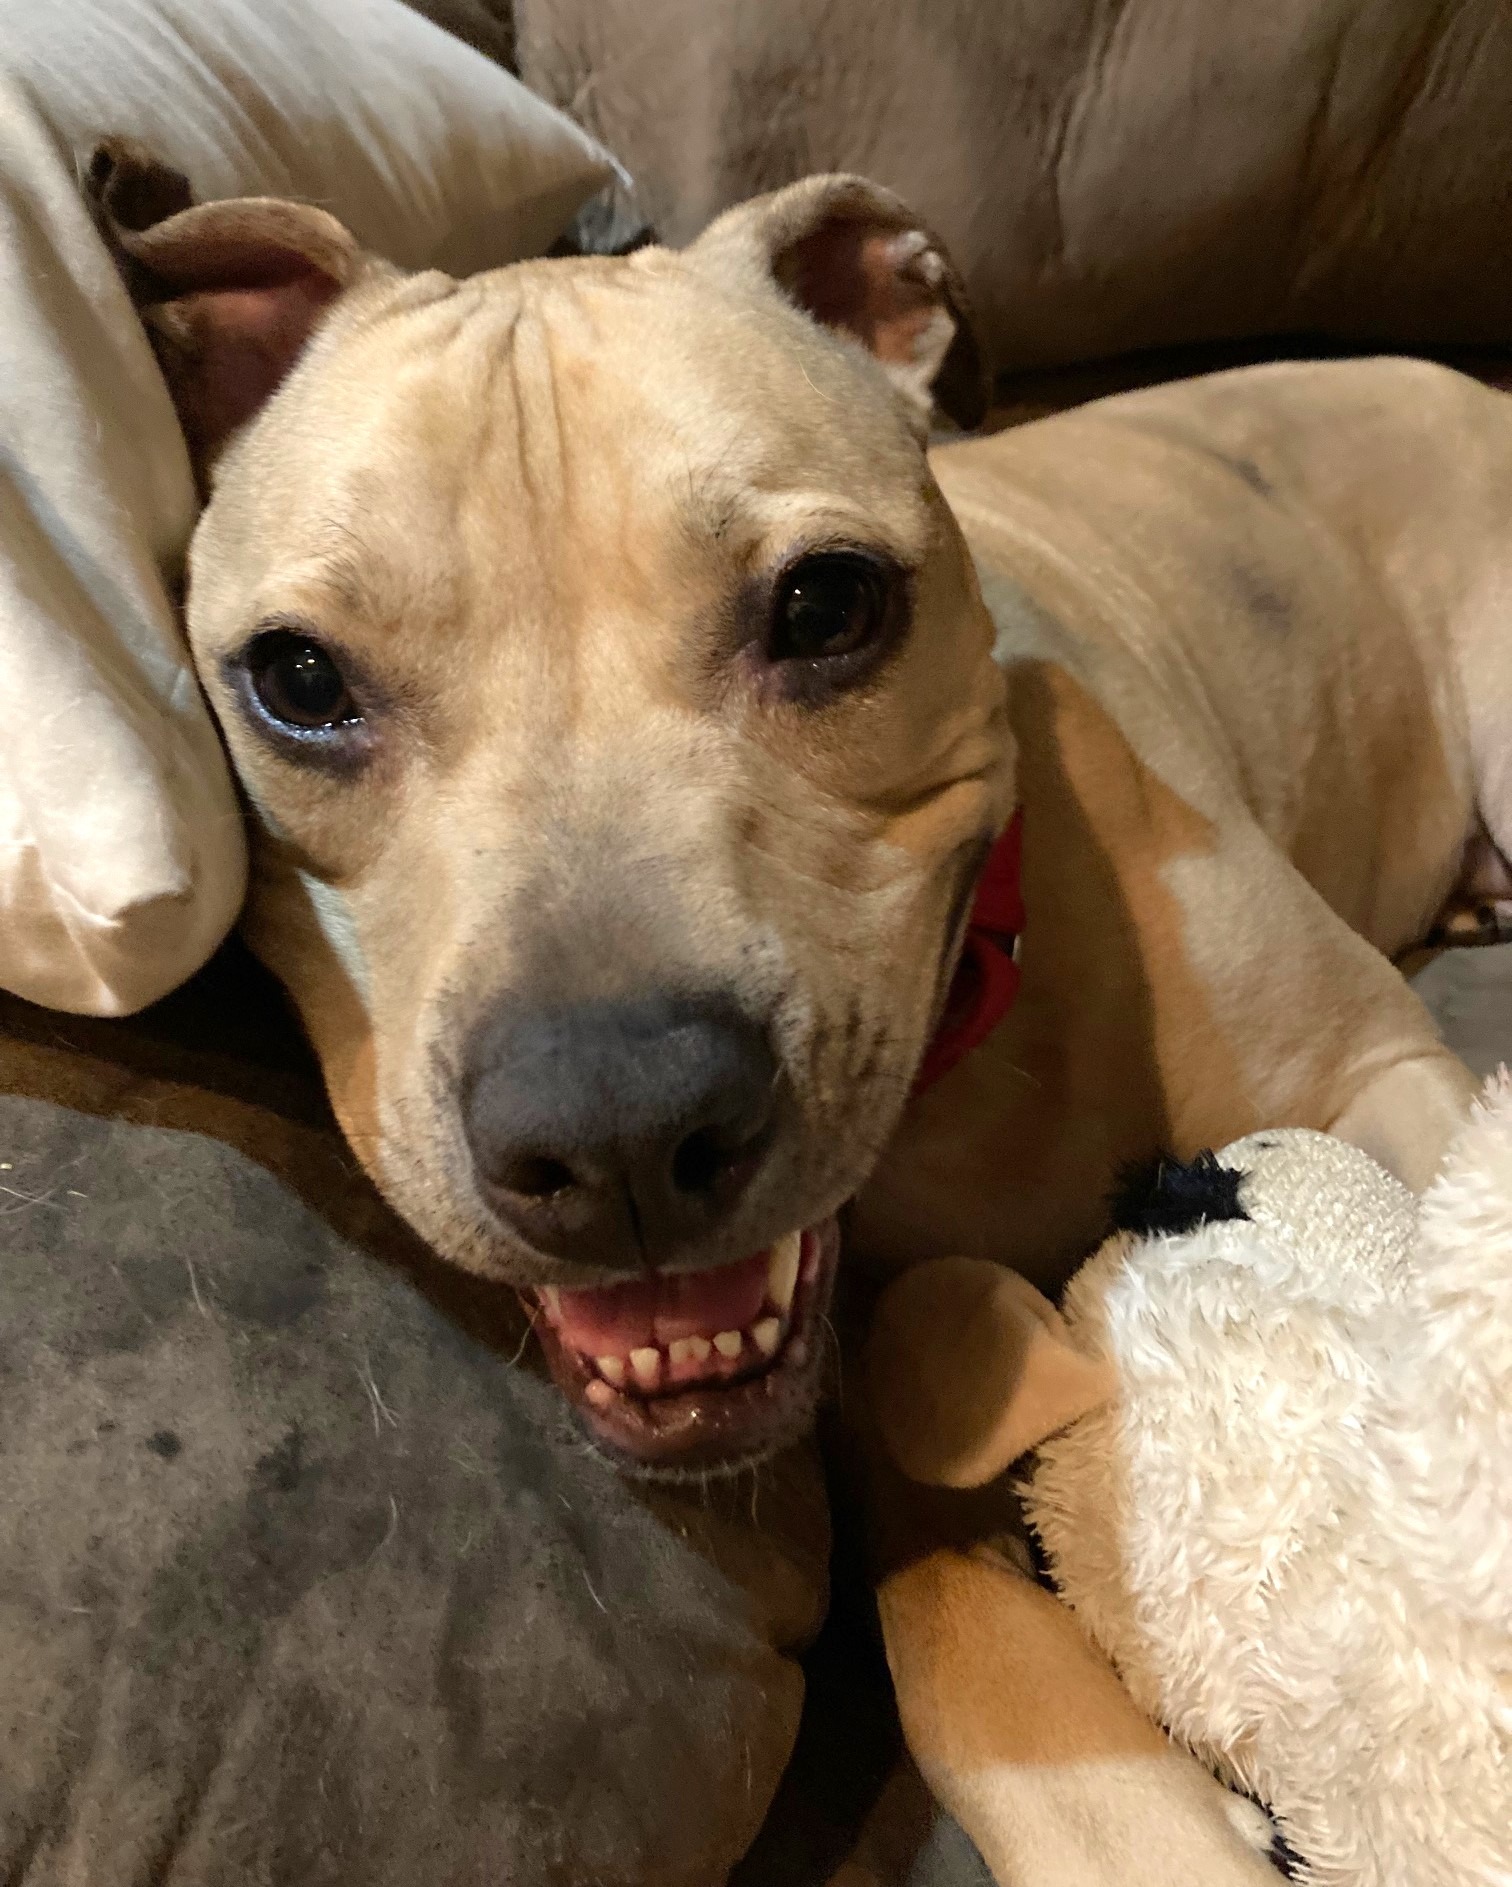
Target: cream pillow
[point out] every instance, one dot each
(122, 860)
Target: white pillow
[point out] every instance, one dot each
(122, 860)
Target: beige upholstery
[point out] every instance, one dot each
(1110, 177)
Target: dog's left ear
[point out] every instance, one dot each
(858, 260)
(968, 1368)
(230, 292)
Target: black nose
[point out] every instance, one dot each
(618, 1132)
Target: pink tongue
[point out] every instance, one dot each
(661, 1307)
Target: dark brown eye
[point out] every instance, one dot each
(298, 684)
(827, 605)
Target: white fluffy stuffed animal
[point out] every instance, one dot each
(1273, 1478)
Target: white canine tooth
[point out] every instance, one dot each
(599, 1394)
(646, 1366)
(728, 1343)
(782, 1271)
(767, 1335)
(689, 1350)
(611, 1368)
(810, 1258)
(551, 1297)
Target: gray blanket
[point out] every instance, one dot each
(302, 1578)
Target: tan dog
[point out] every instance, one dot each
(613, 691)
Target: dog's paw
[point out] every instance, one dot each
(1147, 1820)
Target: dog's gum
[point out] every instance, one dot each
(718, 1416)
(691, 1361)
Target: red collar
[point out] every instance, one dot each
(987, 977)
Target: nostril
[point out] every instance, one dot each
(534, 1176)
(708, 1155)
(698, 1162)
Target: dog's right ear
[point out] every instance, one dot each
(857, 260)
(229, 292)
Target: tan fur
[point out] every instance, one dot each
(1257, 689)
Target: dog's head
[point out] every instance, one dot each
(612, 695)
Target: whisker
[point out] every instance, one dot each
(532, 1312)
(833, 1336)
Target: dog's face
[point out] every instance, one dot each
(613, 697)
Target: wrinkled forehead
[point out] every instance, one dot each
(630, 404)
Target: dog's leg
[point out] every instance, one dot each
(1016, 1722)
(1406, 1115)
(1027, 1737)
(1271, 1011)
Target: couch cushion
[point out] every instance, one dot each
(121, 858)
(1107, 177)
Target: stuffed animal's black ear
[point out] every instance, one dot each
(1172, 1196)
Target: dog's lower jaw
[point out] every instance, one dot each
(758, 1398)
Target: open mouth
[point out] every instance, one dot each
(693, 1371)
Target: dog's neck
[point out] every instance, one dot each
(986, 978)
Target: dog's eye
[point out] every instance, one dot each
(830, 604)
(298, 683)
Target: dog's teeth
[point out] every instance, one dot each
(782, 1271)
(728, 1343)
(688, 1350)
(767, 1335)
(611, 1368)
(647, 1367)
(798, 1350)
(551, 1297)
(599, 1394)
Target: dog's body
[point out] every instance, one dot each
(616, 702)
(1261, 684)
(1260, 678)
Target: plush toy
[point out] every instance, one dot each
(1272, 1476)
